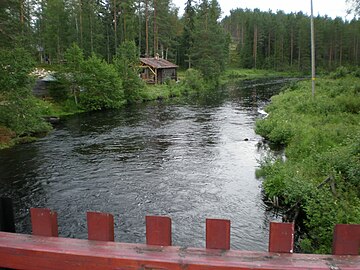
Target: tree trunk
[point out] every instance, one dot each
(292, 47)
(155, 30)
(341, 52)
(255, 45)
(22, 13)
(147, 27)
(357, 51)
(91, 30)
(299, 57)
(139, 44)
(115, 26)
(242, 36)
(125, 32)
(81, 23)
(330, 56)
(108, 43)
(269, 45)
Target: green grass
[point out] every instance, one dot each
(232, 74)
(322, 139)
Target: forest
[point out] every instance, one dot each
(263, 40)
(280, 41)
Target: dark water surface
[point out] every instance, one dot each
(187, 160)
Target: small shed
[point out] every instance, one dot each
(157, 70)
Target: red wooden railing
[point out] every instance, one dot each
(45, 250)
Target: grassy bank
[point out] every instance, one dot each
(236, 74)
(320, 176)
(66, 97)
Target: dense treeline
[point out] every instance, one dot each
(49, 27)
(264, 40)
(282, 41)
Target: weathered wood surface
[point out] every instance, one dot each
(44, 250)
(38, 252)
(346, 239)
(281, 237)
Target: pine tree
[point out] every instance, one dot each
(187, 38)
(211, 46)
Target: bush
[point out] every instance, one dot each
(19, 110)
(126, 63)
(340, 72)
(58, 91)
(322, 138)
(21, 114)
(101, 85)
(15, 67)
(193, 81)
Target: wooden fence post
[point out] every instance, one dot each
(100, 226)
(7, 221)
(44, 222)
(281, 238)
(346, 239)
(158, 231)
(218, 234)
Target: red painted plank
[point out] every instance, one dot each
(44, 222)
(218, 234)
(158, 231)
(36, 252)
(346, 239)
(100, 226)
(281, 238)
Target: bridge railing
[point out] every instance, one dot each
(45, 250)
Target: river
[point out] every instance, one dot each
(189, 160)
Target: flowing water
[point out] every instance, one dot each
(188, 160)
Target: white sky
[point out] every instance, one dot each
(332, 8)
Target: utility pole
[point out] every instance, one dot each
(312, 50)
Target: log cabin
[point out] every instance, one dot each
(157, 70)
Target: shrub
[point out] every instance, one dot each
(19, 111)
(193, 81)
(58, 91)
(340, 72)
(21, 114)
(126, 63)
(101, 85)
(15, 67)
(322, 138)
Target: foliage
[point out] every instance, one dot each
(193, 81)
(322, 138)
(101, 85)
(340, 72)
(126, 63)
(74, 58)
(18, 109)
(58, 91)
(15, 67)
(6, 136)
(21, 114)
(209, 50)
(354, 6)
(279, 41)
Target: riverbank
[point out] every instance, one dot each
(319, 176)
(190, 83)
(187, 158)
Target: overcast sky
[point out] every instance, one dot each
(332, 8)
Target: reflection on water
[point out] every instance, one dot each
(189, 160)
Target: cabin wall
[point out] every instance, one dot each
(165, 74)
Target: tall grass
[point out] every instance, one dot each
(322, 140)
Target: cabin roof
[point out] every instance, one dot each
(157, 63)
